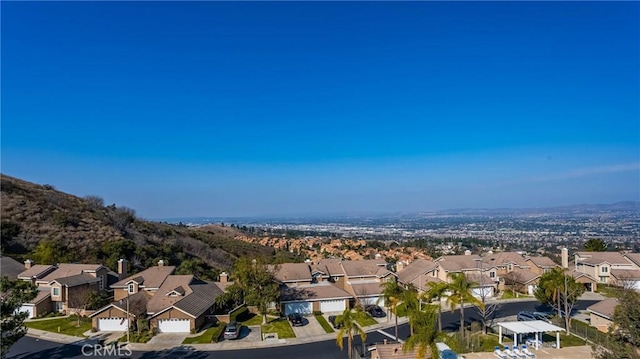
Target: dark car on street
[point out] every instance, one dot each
(334, 323)
(375, 311)
(525, 316)
(232, 330)
(296, 319)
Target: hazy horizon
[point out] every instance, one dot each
(222, 109)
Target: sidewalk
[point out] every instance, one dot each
(239, 344)
(53, 337)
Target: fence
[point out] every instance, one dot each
(589, 333)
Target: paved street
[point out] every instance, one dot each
(32, 348)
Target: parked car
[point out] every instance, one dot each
(375, 311)
(232, 330)
(332, 320)
(296, 319)
(542, 316)
(522, 316)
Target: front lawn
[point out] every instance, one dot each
(210, 335)
(509, 294)
(66, 325)
(134, 337)
(607, 291)
(280, 326)
(324, 324)
(364, 319)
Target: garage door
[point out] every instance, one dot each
(112, 324)
(332, 306)
(174, 326)
(28, 309)
(298, 307)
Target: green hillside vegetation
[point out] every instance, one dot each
(49, 226)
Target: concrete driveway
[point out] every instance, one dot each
(167, 340)
(311, 328)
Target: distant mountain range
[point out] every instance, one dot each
(625, 206)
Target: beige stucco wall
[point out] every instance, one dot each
(599, 322)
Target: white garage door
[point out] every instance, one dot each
(487, 292)
(298, 307)
(112, 324)
(28, 309)
(332, 306)
(174, 326)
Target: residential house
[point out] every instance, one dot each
(541, 265)
(148, 280)
(501, 263)
(293, 274)
(364, 279)
(182, 304)
(172, 303)
(601, 314)
(325, 297)
(484, 278)
(590, 283)
(521, 280)
(600, 264)
(64, 286)
(420, 273)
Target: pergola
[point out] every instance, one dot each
(527, 327)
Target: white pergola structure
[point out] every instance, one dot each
(528, 327)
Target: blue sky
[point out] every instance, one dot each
(242, 109)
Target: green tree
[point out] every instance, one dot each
(559, 290)
(232, 297)
(51, 252)
(258, 284)
(422, 340)
(460, 288)
(625, 330)
(437, 291)
(392, 295)
(97, 300)
(595, 245)
(411, 303)
(14, 293)
(349, 328)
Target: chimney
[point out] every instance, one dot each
(385, 341)
(399, 266)
(28, 263)
(224, 277)
(565, 258)
(122, 268)
(161, 263)
(467, 252)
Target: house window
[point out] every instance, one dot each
(100, 283)
(510, 267)
(604, 269)
(56, 291)
(131, 288)
(492, 274)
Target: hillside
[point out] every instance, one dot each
(47, 225)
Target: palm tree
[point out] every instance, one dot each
(460, 289)
(549, 287)
(349, 328)
(409, 298)
(392, 294)
(437, 291)
(425, 334)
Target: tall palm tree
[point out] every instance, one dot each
(549, 287)
(437, 291)
(460, 288)
(349, 328)
(411, 302)
(392, 294)
(425, 334)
